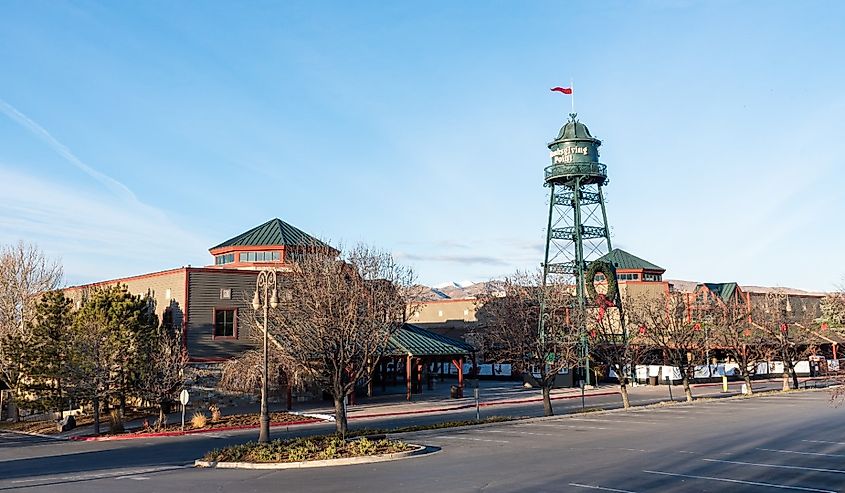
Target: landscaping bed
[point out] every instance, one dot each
(193, 424)
(318, 448)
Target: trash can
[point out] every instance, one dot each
(456, 392)
(652, 380)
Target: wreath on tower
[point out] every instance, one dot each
(609, 273)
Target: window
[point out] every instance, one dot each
(274, 256)
(224, 323)
(168, 295)
(227, 258)
(225, 294)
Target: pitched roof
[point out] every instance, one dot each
(274, 232)
(724, 290)
(624, 260)
(416, 341)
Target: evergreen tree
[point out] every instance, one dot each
(46, 358)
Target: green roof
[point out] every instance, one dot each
(575, 130)
(416, 341)
(274, 232)
(724, 290)
(624, 260)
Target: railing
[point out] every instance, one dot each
(576, 169)
(587, 233)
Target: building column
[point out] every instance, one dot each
(408, 381)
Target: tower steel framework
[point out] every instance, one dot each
(577, 232)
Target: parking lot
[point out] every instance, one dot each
(778, 442)
(793, 442)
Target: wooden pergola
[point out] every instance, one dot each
(418, 348)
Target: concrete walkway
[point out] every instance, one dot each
(492, 394)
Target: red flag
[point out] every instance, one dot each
(565, 90)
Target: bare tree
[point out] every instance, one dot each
(161, 369)
(786, 332)
(742, 341)
(512, 332)
(612, 342)
(338, 317)
(667, 329)
(25, 273)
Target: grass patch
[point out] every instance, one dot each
(305, 449)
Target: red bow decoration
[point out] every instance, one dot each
(592, 334)
(696, 327)
(642, 329)
(825, 326)
(604, 303)
(784, 327)
(747, 332)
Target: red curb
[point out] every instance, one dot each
(133, 436)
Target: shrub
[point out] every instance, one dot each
(198, 420)
(214, 409)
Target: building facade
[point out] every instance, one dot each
(212, 305)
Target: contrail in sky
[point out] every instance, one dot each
(115, 186)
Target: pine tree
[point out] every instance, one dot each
(46, 358)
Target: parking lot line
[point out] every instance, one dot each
(739, 481)
(799, 452)
(469, 438)
(778, 466)
(588, 427)
(823, 441)
(622, 421)
(525, 433)
(602, 488)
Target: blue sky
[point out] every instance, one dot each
(135, 135)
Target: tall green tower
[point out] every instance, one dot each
(577, 231)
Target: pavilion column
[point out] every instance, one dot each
(408, 381)
(459, 364)
(383, 375)
(420, 368)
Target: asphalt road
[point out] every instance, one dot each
(788, 442)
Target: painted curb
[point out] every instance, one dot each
(135, 436)
(419, 451)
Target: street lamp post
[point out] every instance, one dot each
(266, 297)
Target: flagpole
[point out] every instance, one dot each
(572, 85)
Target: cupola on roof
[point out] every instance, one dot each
(574, 129)
(274, 232)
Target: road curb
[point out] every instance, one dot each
(135, 436)
(39, 435)
(418, 451)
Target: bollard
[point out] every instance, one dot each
(724, 383)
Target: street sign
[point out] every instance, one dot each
(184, 397)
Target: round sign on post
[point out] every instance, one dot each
(184, 397)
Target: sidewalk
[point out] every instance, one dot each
(491, 394)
